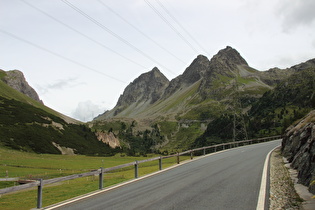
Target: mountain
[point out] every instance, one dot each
(140, 94)
(291, 99)
(16, 80)
(208, 91)
(26, 124)
(204, 84)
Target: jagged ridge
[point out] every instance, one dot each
(151, 96)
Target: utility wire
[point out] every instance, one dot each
(58, 55)
(180, 25)
(171, 26)
(113, 34)
(84, 35)
(138, 30)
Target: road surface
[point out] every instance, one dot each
(227, 180)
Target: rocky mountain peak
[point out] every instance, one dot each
(196, 69)
(192, 74)
(17, 81)
(148, 86)
(229, 55)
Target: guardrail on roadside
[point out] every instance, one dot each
(100, 172)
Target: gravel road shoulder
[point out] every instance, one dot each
(282, 191)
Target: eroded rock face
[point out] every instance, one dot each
(108, 138)
(16, 80)
(299, 148)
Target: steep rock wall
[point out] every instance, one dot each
(299, 148)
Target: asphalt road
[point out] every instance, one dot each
(227, 180)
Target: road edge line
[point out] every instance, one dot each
(263, 186)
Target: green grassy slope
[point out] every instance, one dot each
(10, 93)
(28, 125)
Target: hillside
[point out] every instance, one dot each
(271, 114)
(26, 124)
(14, 86)
(204, 99)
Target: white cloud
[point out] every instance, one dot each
(296, 13)
(87, 110)
(58, 85)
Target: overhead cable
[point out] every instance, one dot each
(113, 34)
(171, 26)
(142, 33)
(180, 25)
(60, 56)
(84, 35)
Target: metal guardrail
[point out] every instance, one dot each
(40, 183)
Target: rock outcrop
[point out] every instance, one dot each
(108, 138)
(298, 146)
(17, 81)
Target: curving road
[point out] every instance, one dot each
(226, 180)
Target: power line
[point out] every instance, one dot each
(113, 33)
(171, 26)
(180, 25)
(138, 30)
(60, 56)
(80, 33)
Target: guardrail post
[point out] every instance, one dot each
(204, 151)
(178, 158)
(160, 163)
(215, 149)
(101, 179)
(136, 169)
(191, 155)
(40, 194)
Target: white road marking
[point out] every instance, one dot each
(263, 185)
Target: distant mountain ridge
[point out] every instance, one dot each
(203, 82)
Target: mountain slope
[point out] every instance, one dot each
(140, 94)
(17, 92)
(206, 91)
(271, 114)
(16, 80)
(27, 125)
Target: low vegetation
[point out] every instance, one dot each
(27, 128)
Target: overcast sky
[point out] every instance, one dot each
(79, 55)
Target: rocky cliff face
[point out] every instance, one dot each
(298, 146)
(16, 80)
